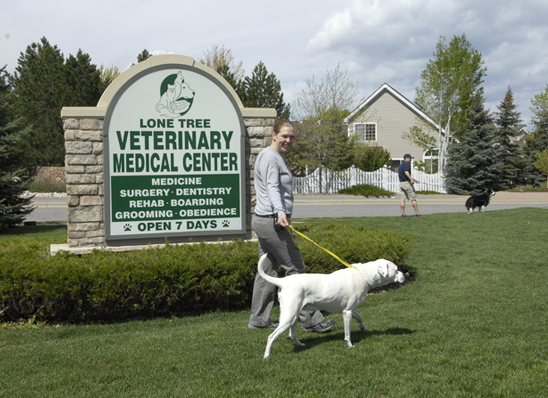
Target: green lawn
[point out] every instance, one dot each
(473, 324)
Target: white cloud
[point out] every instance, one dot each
(377, 41)
(391, 41)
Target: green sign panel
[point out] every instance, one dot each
(175, 203)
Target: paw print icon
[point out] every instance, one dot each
(226, 223)
(127, 228)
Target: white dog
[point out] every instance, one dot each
(340, 292)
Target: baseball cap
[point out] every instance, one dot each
(408, 156)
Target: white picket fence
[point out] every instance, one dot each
(334, 181)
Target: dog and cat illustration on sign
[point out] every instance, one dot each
(176, 96)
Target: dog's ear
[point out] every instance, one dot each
(383, 269)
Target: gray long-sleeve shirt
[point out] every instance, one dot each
(273, 184)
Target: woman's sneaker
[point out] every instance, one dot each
(322, 327)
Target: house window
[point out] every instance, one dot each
(431, 154)
(365, 131)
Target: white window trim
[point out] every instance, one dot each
(426, 157)
(366, 123)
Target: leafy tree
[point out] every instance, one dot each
(40, 88)
(218, 56)
(447, 88)
(419, 135)
(260, 90)
(475, 162)
(508, 122)
(335, 92)
(371, 157)
(322, 140)
(13, 177)
(321, 143)
(107, 76)
(263, 90)
(542, 163)
(538, 141)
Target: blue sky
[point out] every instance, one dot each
(388, 41)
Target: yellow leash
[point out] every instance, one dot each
(321, 247)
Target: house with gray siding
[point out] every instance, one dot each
(384, 117)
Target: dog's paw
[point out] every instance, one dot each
(349, 344)
(364, 328)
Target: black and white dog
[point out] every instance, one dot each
(480, 200)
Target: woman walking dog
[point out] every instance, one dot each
(274, 192)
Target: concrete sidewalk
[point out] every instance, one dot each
(500, 198)
(312, 206)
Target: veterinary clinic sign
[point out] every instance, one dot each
(174, 157)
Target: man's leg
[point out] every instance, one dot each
(402, 207)
(415, 206)
(403, 197)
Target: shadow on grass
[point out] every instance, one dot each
(38, 229)
(356, 336)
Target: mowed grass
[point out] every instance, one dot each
(473, 324)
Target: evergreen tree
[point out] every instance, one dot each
(237, 85)
(143, 56)
(85, 80)
(43, 84)
(263, 90)
(475, 163)
(40, 88)
(13, 178)
(508, 122)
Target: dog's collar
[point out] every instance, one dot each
(364, 277)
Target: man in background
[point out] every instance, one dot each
(407, 185)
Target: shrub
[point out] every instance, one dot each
(43, 184)
(371, 157)
(366, 190)
(173, 280)
(353, 244)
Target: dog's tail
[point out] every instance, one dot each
(268, 278)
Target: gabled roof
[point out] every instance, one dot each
(386, 87)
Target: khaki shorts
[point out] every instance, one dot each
(407, 191)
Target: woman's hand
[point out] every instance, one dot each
(282, 221)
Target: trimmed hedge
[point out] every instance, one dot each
(174, 280)
(366, 190)
(353, 244)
